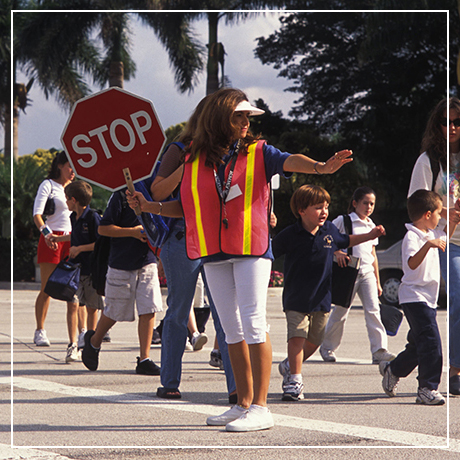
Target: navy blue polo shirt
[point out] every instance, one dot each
(126, 253)
(308, 265)
(84, 231)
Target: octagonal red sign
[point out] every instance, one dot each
(109, 131)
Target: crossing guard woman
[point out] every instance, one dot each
(225, 199)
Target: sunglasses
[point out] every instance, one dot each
(456, 122)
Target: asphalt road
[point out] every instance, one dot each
(63, 411)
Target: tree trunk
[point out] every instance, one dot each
(212, 82)
(15, 126)
(116, 74)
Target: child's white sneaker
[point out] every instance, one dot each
(429, 397)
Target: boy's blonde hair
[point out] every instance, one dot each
(422, 201)
(81, 191)
(308, 195)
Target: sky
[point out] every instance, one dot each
(42, 124)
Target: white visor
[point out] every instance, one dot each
(245, 106)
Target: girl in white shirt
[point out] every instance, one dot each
(50, 253)
(367, 284)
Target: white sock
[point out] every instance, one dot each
(296, 378)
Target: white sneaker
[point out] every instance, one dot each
(40, 338)
(429, 397)
(285, 371)
(229, 416)
(382, 355)
(72, 353)
(327, 355)
(188, 345)
(81, 339)
(255, 419)
(389, 381)
(199, 340)
(293, 391)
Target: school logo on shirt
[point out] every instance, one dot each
(328, 241)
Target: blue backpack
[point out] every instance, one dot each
(156, 227)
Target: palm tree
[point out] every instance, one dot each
(55, 49)
(216, 50)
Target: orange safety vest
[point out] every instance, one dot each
(247, 232)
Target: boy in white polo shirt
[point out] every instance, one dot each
(418, 296)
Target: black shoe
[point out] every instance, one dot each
(156, 338)
(169, 393)
(89, 354)
(233, 399)
(147, 367)
(454, 385)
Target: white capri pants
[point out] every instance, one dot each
(239, 291)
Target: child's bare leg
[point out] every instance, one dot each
(145, 333)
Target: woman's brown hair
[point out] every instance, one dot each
(215, 132)
(433, 142)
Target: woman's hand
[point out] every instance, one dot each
(51, 241)
(335, 162)
(136, 200)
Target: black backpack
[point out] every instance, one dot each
(100, 263)
(100, 258)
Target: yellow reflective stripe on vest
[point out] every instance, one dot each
(249, 187)
(196, 202)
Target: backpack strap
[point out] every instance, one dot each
(348, 229)
(435, 168)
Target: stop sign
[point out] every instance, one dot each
(109, 131)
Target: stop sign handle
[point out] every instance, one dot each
(130, 185)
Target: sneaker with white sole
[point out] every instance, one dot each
(382, 355)
(293, 391)
(255, 419)
(188, 345)
(389, 381)
(429, 397)
(40, 338)
(81, 339)
(228, 416)
(327, 355)
(72, 354)
(199, 341)
(215, 359)
(285, 371)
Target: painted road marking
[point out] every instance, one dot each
(400, 438)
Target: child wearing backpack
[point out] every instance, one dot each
(367, 284)
(132, 282)
(87, 302)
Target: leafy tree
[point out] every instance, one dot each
(376, 97)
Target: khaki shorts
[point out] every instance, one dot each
(126, 288)
(310, 326)
(87, 295)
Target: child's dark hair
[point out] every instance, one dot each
(359, 194)
(308, 195)
(81, 191)
(58, 160)
(420, 202)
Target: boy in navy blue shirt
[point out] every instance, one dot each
(85, 222)
(132, 281)
(309, 247)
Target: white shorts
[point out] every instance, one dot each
(239, 291)
(123, 288)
